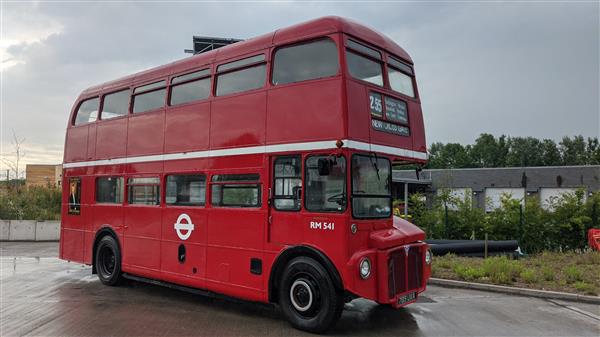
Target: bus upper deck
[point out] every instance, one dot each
(361, 86)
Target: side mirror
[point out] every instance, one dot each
(324, 166)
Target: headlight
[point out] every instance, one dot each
(428, 256)
(365, 268)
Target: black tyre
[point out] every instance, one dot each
(308, 297)
(108, 261)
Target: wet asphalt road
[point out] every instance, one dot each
(44, 296)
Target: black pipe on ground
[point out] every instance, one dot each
(471, 247)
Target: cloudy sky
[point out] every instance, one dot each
(521, 69)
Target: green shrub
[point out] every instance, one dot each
(586, 288)
(529, 276)
(573, 274)
(30, 203)
(561, 228)
(468, 273)
(547, 274)
(501, 270)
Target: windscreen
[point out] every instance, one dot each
(371, 193)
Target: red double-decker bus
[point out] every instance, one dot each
(260, 170)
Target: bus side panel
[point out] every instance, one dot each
(73, 225)
(111, 138)
(359, 122)
(235, 236)
(238, 121)
(145, 133)
(76, 144)
(294, 110)
(185, 128)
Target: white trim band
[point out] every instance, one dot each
(307, 146)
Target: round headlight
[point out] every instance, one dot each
(428, 256)
(365, 268)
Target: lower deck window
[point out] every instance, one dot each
(109, 190)
(235, 190)
(144, 191)
(186, 190)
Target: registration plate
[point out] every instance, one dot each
(407, 298)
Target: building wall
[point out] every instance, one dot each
(531, 179)
(42, 175)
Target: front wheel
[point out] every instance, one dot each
(308, 297)
(108, 261)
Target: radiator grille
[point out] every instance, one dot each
(405, 272)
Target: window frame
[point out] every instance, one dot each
(305, 184)
(205, 73)
(74, 121)
(293, 197)
(206, 194)
(104, 202)
(380, 60)
(159, 193)
(351, 194)
(299, 43)
(129, 104)
(256, 182)
(147, 88)
(218, 72)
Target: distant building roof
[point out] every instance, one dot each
(530, 178)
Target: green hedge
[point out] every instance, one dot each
(563, 227)
(30, 203)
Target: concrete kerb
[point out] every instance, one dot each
(556, 295)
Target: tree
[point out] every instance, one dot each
(593, 151)
(550, 153)
(14, 164)
(451, 155)
(524, 151)
(573, 151)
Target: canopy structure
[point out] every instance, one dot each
(206, 43)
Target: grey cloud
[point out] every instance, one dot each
(517, 69)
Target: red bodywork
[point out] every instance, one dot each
(594, 239)
(243, 133)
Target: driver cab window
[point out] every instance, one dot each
(325, 184)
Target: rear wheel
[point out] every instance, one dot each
(108, 261)
(308, 297)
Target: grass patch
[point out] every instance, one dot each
(567, 272)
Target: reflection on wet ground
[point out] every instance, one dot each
(44, 296)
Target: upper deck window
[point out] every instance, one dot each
(115, 104)
(248, 78)
(87, 112)
(363, 49)
(400, 76)
(306, 61)
(193, 87)
(364, 62)
(364, 69)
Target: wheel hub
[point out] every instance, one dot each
(301, 295)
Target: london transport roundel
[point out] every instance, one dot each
(184, 224)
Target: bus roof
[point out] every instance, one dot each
(313, 28)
